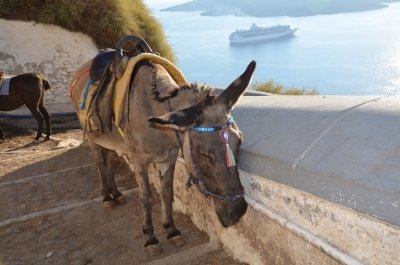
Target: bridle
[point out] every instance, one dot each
(196, 178)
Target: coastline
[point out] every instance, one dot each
(269, 9)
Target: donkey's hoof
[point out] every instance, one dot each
(177, 241)
(120, 200)
(153, 250)
(108, 204)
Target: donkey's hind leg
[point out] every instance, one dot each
(39, 118)
(2, 135)
(46, 117)
(103, 159)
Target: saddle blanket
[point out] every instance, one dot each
(5, 86)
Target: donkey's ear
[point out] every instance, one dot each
(233, 92)
(178, 120)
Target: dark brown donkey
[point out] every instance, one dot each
(28, 89)
(160, 116)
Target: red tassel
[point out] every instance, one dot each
(230, 158)
(227, 156)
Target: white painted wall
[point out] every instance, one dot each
(46, 49)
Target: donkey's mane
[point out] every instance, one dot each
(199, 91)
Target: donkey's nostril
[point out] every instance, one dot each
(231, 213)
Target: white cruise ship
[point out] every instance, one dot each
(257, 33)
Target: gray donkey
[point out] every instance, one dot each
(162, 118)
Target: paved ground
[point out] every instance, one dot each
(50, 210)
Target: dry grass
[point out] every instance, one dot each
(106, 21)
(277, 88)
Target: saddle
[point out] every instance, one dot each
(101, 63)
(106, 68)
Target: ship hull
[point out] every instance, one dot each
(261, 38)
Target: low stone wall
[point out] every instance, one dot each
(301, 158)
(46, 49)
(343, 149)
(284, 225)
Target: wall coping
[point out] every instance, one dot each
(344, 149)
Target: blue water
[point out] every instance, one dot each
(342, 54)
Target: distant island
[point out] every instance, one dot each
(272, 8)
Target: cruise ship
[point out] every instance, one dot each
(257, 33)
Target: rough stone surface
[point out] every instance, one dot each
(368, 240)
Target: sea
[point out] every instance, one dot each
(341, 54)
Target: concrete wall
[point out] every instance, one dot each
(50, 50)
(321, 177)
(343, 149)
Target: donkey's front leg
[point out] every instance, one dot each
(152, 246)
(166, 172)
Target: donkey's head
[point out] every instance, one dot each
(211, 144)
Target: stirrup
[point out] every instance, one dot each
(94, 124)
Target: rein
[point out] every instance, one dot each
(197, 179)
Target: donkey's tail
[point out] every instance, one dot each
(46, 84)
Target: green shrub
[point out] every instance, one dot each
(277, 88)
(106, 21)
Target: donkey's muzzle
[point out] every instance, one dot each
(229, 213)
